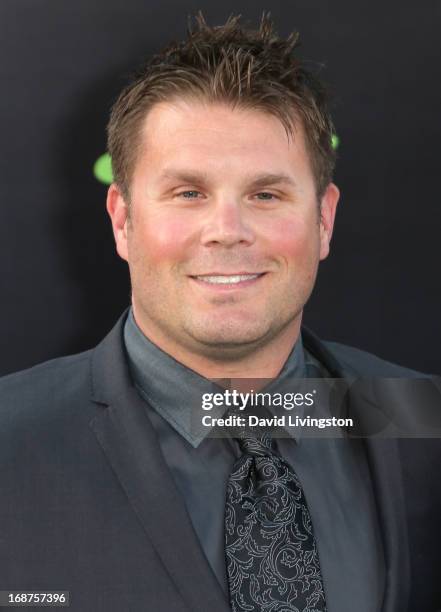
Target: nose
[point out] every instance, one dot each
(227, 223)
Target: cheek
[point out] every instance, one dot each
(164, 240)
(294, 240)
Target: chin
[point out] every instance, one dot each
(233, 336)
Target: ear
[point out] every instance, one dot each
(328, 207)
(118, 212)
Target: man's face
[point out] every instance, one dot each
(219, 193)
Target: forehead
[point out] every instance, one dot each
(214, 134)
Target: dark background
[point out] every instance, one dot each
(62, 62)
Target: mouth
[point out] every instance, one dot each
(224, 282)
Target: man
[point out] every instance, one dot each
(223, 206)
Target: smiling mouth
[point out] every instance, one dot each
(230, 281)
(223, 279)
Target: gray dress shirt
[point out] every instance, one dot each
(333, 472)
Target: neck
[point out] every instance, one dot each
(263, 360)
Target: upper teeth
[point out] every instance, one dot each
(227, 279)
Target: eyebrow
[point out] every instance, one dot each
(259, 180)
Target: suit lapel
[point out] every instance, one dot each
(385, 468)
(129, 442)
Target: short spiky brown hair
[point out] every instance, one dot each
(253, 69)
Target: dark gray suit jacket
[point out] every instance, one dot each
(87, 503)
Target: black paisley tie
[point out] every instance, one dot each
(271, 554)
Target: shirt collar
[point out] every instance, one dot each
(174, 390)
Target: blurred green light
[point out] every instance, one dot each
(335, 141)
(102, 169)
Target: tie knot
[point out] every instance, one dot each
(257, 446)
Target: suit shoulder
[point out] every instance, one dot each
(362, 363)
(45, 383)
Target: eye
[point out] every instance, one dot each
(191, 194)
(266, 196)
